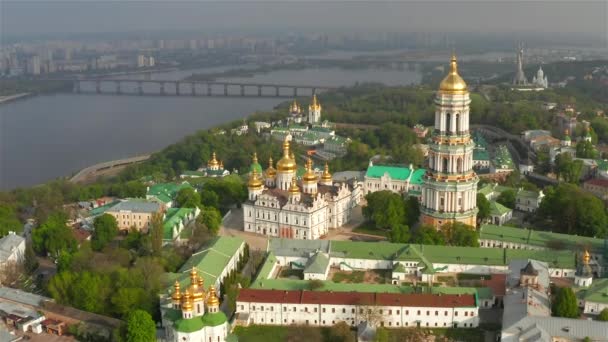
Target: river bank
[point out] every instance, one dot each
(10, 98)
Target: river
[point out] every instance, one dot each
(45, 137)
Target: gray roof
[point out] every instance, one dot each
(317, 264)
(297, 248)
(516, 266)
(546, 328)
(8, 244)
(348, 175)
(137, 206)
(22, 297)
(5, 335)
(18, 310)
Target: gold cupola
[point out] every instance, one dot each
(187, 302)
(294, 189)
(294, 108)
(177, 295)
(270, 171)
(286, 163)
(212, 300)
(326, 176)
(314, 105)
(254, 181)
(453, 83)
(196, 292)
(309, 176)
(586, 257)
(213, 161)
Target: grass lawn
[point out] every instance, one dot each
(266, 333)
(371, 231)
(411, 334)
(349, 277)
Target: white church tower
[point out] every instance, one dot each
(314, 111)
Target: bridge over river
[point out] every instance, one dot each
(190, 88)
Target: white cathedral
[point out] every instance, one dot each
(296, 114)
(280, 205)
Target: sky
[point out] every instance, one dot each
(88, 16)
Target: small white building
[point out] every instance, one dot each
(528, 201)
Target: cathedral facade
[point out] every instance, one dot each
(281, 205)
(193, 314)
(449, 189)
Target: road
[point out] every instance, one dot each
(94, 171)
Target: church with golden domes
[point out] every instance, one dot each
(449, 189)
(296, 113)
(283, 204)
(194, 314)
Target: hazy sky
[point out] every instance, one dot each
(54, 16)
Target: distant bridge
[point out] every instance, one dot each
(191, 88)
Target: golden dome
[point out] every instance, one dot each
(187, 303)
(254, 181)
(213, 161)
(270, 171)
(200, 282)
(309, 176)
(453, 83)
(326, 176)
(212, 300)
(287, 163)
(314, 105)
(177, 295)
(294, 108)
(294, 188)
(586, 257)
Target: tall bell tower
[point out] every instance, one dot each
(449, 192)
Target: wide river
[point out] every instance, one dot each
(45, 137)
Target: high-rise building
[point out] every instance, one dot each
(449, 191)
(34, 65)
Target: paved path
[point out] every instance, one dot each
(91, 171)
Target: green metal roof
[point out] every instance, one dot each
(166, 192)
(257, 167)
(210, 261)
(417, 176)
(597, 292)
(602, 164)
(317, 264)
(173, 217)
(497, 209)
(479, 154)
(542, 238)
(395, 172)
(197, 323)
(102, 209)
(264, 272)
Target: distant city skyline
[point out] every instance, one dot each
(55, 17)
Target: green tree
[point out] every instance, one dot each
(603, 316)
(156, 233)
(210, 218)
(585, 149)
(128, 299)
(9, 221)
(188, 198)
(340, 332)
(30, 262)
(210, 198)
(506, 198)
(460, 234)
(381, 335)
(106, 229)
(140, 327)
(484, 207)
(428, 235)
(568, 169)
(565, 303)
(400, 233)
(54, 236)
(384, 209)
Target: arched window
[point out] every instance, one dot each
(457, 123)
(448, 119)
(459, 164)
(445, 165)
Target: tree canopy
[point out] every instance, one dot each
(565, 303)
(106, 229)
(484, 207)
(188, 198)
(603, 316)
(8, 220)
(506, 198)
(211, 218)
(140, 327)
(53, 236)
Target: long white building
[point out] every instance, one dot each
(281, 206)
(317, 308)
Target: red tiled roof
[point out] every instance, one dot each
(269, 296)
(497, 284)
(337, 298)
(356, 298)
(425, 300)
(598, 182)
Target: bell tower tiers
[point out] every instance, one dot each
(449, 192)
